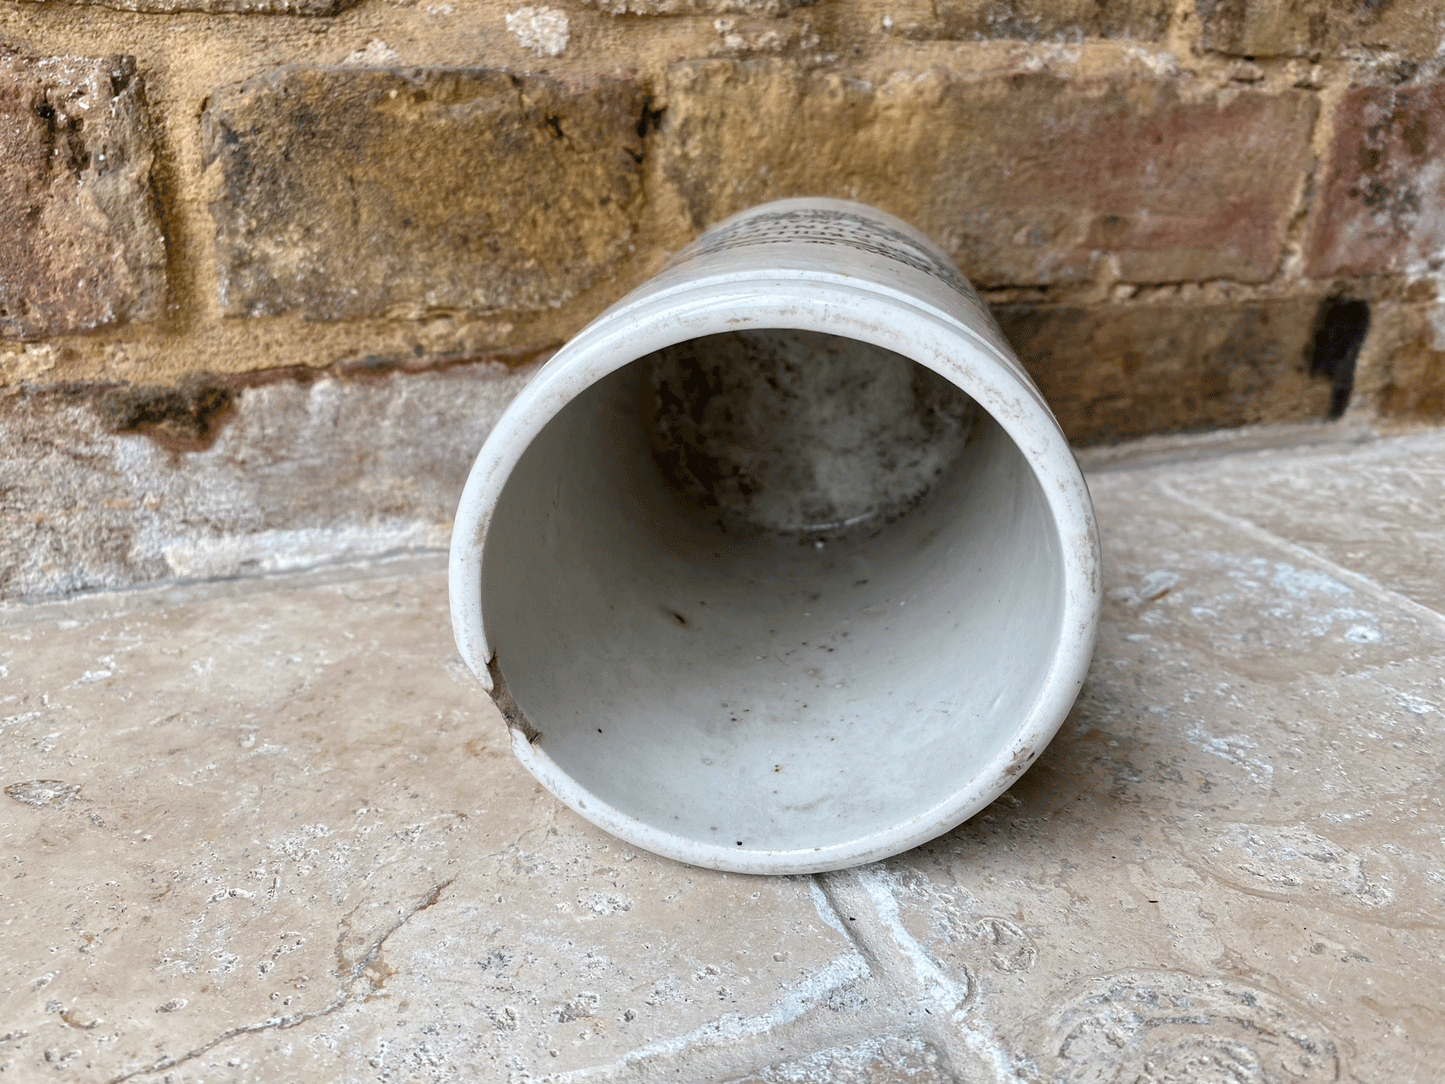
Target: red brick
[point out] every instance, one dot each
(1381, 206)
(80, 242)
(1025, 177)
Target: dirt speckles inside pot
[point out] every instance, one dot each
(802, 432)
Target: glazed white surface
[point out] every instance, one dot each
(757, 704)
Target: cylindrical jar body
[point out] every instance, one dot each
(782, 564)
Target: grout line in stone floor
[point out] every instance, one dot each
(727, 1057)
(900, 967)
(800, 1023)
(865, 899)
(1258, 534)
(895, 983)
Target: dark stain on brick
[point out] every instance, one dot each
(121, 74)
(189, 416)
(183, 418)
(1340, 328)
(649, 119)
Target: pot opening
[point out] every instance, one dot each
(773, 590)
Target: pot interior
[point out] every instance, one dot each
(773, 590)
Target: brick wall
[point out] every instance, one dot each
(268, 268)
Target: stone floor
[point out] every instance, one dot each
(270, 830)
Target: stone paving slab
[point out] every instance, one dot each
(1373, 509)
(271, 830)
(1228, 863)
(285, 826)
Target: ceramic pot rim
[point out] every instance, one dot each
(837, 304)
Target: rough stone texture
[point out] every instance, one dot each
(1024, 177)
(1405, 360)
(318, 817)
(1348, 507)
(888, 1059)
(108, 485)
(80, 243)
(1381, 207)
(1030, 153)
(1409, 28)
(1118, 371)
(1050, 20)
(698, 7)
(348, 192)
(227, 7)
(270, 830)
(1232, 841)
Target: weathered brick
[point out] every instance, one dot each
(1052, 20)
(1408, 28)
(80, 242)
(1025, 177)
(347, 192)
(108, 484)
(1114, 372)
(1402, 365)
(698, 7)
(1381, 206)
(220, 7)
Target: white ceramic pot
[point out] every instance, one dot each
(782, 564)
